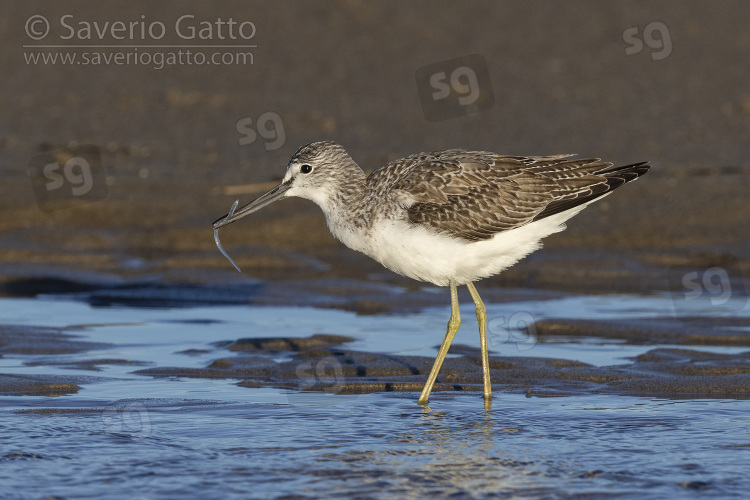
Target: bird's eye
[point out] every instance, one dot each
(305, 169)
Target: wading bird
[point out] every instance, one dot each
(446, 217)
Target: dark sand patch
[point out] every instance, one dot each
(35, 340)
(200, 288)
(282, 344)
(718, 331)
(111, 409)
(91, 364)
(22, 339)
(39, 385)
(320, 363)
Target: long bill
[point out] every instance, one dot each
(275, 194)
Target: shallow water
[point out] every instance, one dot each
(142, 437)
(381, 445)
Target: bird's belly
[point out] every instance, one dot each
(420, 253)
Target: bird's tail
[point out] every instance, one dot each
(615, 177)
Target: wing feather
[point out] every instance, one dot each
(475, 194)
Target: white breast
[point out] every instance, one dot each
(421, 253)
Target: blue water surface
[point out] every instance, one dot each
(131, 436)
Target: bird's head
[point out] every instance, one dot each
(315, 172)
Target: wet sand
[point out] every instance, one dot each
(628, 243)
(173, 161)
(321, 363)
(173, 164)
(324, 363)
(36, 341)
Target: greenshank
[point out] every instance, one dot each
(447, 217)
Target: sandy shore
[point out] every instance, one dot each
(172, 160)
(324, 363)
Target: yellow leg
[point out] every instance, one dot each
(482, 318)
(453, 325)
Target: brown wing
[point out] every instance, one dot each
(474, 195)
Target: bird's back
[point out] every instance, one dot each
(474, 195)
